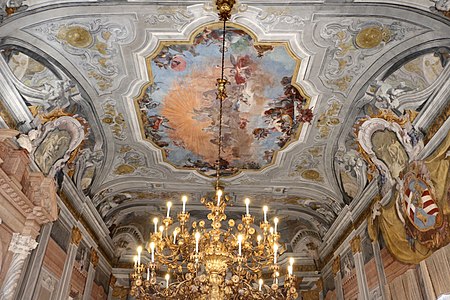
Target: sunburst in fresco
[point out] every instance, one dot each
(262, 114)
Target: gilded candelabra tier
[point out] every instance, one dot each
(213, 262)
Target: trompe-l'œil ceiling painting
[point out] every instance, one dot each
(262, 114)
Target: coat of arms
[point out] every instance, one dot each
(418, 207)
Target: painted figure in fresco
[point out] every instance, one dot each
(387, 148)
(52, 148)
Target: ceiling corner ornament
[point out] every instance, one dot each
(353, 43)
(92, 43)
(214, 261)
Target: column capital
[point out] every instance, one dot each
(22, 244)
(319, 284)
(76, 236)
(112, 280)
(355, 243)
(94, 258)
(336, 265)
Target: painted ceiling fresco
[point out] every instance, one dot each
(30, 72)
(262, 114)
(419, 73)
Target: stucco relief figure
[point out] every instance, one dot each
(53, 147)
(352, 171)
(442, 6)
(386, 95)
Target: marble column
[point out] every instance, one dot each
(338, 278)
(91, 274)
(21, 246)
(64, 282)
(363, 288)
(30, 278)
(382, 281)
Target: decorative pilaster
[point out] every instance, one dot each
(112, 283)
(361, 278)
(320, 288)
(64, 282)
(29, 281)
(426, 280)
(91, 274)
(382, 281)
(338, 278)
(21, 246)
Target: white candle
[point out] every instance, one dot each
(291, 261)
(135, 259)
(219, 194)
(197, 239)
(271, 230)
(276, 277)
(275, 250)
(169, 205)
(175, 236)
(265, 209)
(258, 238)
(148, 273)
(139, 251)
(155, 221)
(184, 199)
(167, 280)
(161, 228)
(247, 203)
(289, 270)
(152, 248)
(260, 284)
(275, 221)
(240, 237)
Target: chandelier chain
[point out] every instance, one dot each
(222, 79)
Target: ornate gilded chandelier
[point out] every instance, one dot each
(196, 261)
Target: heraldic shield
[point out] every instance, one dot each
(420, 209)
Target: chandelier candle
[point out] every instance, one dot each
(265, 209)
(152, 248)
(167, 280)
(139, 251)
(247, 203)
(169, 205)
(219, 194)
(155, 222)
(184, 200)
(275, 221)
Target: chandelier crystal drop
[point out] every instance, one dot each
(219, 260)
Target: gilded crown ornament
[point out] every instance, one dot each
(218, 260)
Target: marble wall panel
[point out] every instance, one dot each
(54, 258)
